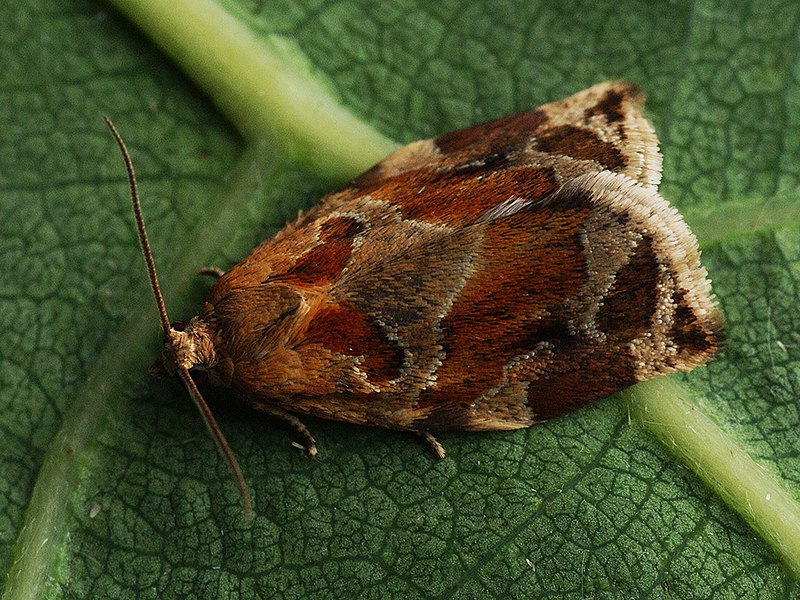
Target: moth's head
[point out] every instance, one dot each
(186, 345)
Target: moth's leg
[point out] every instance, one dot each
(308, 440)
(215, 272)
(433, 444)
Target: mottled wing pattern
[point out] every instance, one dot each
(601, 128)
(486, 279)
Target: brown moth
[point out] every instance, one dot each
(490, 278)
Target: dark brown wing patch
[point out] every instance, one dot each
(505, 134)
(611, 104)
(348, 331)
(581, 144)
(323, 263)
(631, 301)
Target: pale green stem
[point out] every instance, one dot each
(751, 490)
(729, 219)
(264, 86)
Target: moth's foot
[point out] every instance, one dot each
(433, 444)
(309, 444)
(215, 272)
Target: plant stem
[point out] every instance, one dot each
(751, 490)
(263, 85)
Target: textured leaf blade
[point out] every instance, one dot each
(595, 504)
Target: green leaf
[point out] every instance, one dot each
(112, 487)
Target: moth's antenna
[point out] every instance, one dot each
(219, 439)
(143, 241)
(205, 412)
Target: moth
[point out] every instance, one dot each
(486, 279)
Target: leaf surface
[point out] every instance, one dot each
(131, 498)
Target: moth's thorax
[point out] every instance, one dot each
(191, 347)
